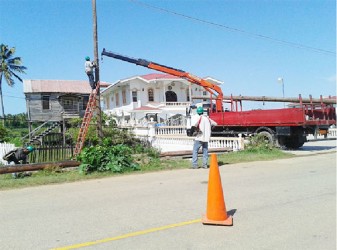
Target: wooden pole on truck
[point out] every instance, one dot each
(273, 99)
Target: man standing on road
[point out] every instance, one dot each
(202, 125)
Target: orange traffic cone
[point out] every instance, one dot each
(216, 209)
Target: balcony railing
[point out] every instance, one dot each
(184, 104)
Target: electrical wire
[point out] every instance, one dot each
(259, 36)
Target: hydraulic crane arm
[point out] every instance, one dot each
(213, 89)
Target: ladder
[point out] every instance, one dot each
(86, 120)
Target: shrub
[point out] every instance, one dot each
(115, 153)
(258, 143)
(107, 158)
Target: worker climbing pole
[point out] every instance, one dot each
(94, 98)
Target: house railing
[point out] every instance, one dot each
(34, 130)
(179, 143)
(176, 103)
(174, 138)
(69, 111)
(170, 130)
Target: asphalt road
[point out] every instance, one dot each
(281, 204)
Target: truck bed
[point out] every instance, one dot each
(273, 117)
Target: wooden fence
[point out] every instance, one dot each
(41, 154)
(51, 154)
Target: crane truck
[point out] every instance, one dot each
(285, 127)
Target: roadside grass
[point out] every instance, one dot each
(254, 155)
(54, 176)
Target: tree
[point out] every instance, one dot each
(9, 66)
(3, 133)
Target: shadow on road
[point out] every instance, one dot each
(231, 212)
(314, 148)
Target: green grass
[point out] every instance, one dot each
(53, 176)
(248, 156)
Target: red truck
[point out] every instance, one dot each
(284, 127)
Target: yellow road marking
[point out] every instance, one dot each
(91, 243)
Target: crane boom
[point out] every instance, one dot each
(213, 89)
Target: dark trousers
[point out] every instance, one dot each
(92, 80)
(12, 158)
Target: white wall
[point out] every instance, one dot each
(5, 148)
(159, 86)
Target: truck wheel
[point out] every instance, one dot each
(294, 143)
(280, 142)
(268, 137)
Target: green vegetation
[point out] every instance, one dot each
(14, 128)
(12, 135)
(10, 66)
(17, 121)
(53, 176)
(122, 153)
(107, 158)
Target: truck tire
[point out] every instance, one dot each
(268, 137)
(294, 142)
(280, 142)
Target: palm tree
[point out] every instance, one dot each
(9, 65)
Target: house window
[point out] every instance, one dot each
(117, 99)
(134, 95)
(188, 95)
(124, 97)
(85, 102)
(171, 96)
(150, 94)
(70, 104)
(46, 102)
(204, 93)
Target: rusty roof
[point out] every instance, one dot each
(57, 86)
(146, 108)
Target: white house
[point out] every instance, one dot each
(162, 96)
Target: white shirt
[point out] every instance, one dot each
(88, 67)
(205, 127)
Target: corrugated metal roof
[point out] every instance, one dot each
(56, 86)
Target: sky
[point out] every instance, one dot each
(246, 44)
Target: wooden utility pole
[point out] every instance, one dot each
(37, 166)
(98, 104)
(273, 99)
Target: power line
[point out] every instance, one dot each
(259, 36)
